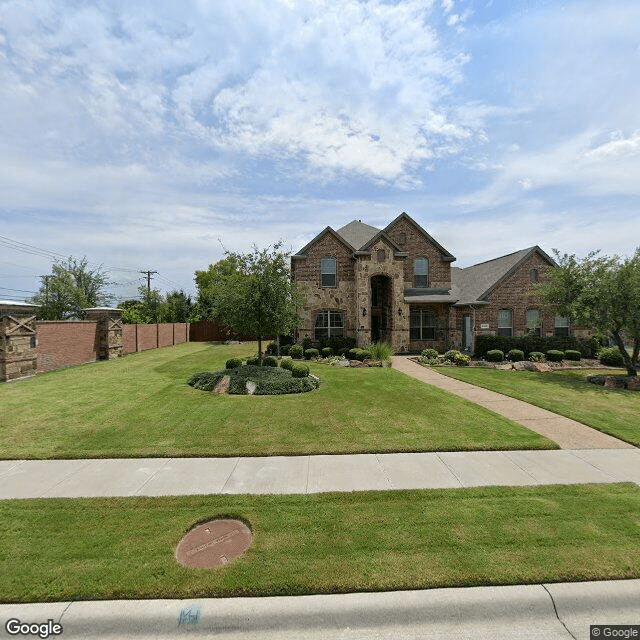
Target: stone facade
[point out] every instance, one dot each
(376, 288)
(17, 341)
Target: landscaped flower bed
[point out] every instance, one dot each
(253, 380)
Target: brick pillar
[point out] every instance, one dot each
(18, 357)
(109, 331)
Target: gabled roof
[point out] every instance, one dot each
(357, 233)
(446, 256)
(378, 236)
(475, 283)
(303, 252)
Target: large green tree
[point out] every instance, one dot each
(252, 293)
(71, 287)
(602, 293)
(208, 283)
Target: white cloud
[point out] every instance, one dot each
(447, 5)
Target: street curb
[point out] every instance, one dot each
(507, 607)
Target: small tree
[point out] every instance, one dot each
(602, 293)
(71, 287)
(258, 296)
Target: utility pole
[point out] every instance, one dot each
(155, 311)
(148, 280)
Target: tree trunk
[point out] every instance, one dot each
(628, 362)
(278, 343)
(260, 346)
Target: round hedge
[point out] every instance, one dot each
(610, 356)
(515, 355)
(554, 355)
(268, 380)
(494, 355)
(430, 354)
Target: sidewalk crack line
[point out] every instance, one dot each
(556, 611)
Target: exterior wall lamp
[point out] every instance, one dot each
(364, 312)
(399, 312)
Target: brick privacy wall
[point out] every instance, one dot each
(128, 338)
(181, 332)
(513, 293)
(417, 246)
(63, 344)
(328, 246)
(165, 335)
(147, 336)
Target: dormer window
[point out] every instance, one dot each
(402, 239)
(328, 268)
(421, 273)
(381, 255)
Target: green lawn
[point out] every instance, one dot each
(613, 411)
(141, 406)
(87, 549)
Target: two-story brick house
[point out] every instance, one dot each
(398, 284)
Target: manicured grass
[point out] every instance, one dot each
(86, 549)
(613, 411)
(141, 406)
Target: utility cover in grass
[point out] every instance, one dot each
(253, 380)
(213, 544)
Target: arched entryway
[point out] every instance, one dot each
(381, 317)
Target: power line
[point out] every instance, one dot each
(22, 290)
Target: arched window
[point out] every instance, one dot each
(328, 269)
(329, 324)
(421, 273)
(422, 325)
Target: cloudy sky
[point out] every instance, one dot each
(150, 134)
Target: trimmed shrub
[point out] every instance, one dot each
(554, 355)
(284, 349)
(300, 371)
(287, 363)
(461, 360)
(429, 361)
(570, 354)
(327, 352)
(233, 363)
(272, 349)
(610, 356)
(450, 356)
(430, 354)
(296, 351)
(340, 344)
(205, 381)
(515, 355)
(270, 361)
(311, 353)
(494, 355)
(536, 356)
(588, 347)
(306, 343)
(254, 361)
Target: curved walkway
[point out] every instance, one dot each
(568, 433)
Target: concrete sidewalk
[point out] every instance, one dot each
(547, 612)
(567, 433)
(313, 474)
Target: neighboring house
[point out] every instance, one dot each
(397, 284)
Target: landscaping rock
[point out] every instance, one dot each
(521, 365)
(341, 363)
(251, 387)
(356, 363)
(504, 367)
(633, 384)
(223, 385)
(614, 382)
(540, 367)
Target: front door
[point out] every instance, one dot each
(467, 337)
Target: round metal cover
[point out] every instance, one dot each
(213, 543)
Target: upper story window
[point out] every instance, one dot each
(381, 255)
(328, 268)
(534, 275)
(534, 323)
(402, 239)
(421, 273)
(505, 323)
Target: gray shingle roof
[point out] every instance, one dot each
(357, 233)
(473, 283)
